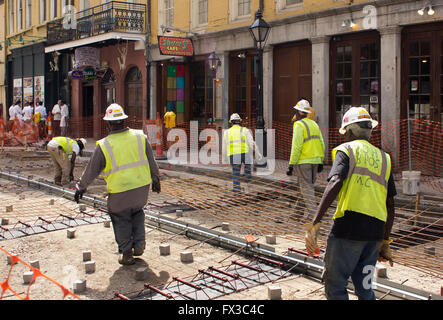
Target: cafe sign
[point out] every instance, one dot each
(175, 46)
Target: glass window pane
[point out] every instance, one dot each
(340, 51)
(364, 101)
(348, 86)
(425, 85)
(364, 52)
(347, 102)
(340, 70)
(374, 69)
(348, 53)
(348, 70)
(425, 66)
(364, 86)
(374, 86)
(425, 48)
(413, 66)
(413, 85)
(364, 70)
(441, 86)
(413, 48)
(414, 106)
(340, 87)
(425, 110)
(373, 48)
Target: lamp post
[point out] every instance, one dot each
(214, 62)
(259, 30)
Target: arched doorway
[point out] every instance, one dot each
(134, 93)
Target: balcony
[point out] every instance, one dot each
(114, 16)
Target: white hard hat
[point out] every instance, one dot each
(234, 117)
(114, 112)
(356, 114)
(83, 140)
(303, 106)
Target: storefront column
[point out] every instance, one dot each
(320, 83)
(390, 43)
(97, 109)
(76, 103)
(153, 89)
(224, 77)
(268, 70)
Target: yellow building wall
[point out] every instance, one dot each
(218, 13)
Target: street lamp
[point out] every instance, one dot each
(259, 30)
(213, 62)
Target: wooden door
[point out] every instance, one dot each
(292, 78)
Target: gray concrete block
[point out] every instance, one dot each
(9, 208)
(271, 239)
(179, 213)
(141, 274)
(165, 249)
(274, 292)
(51, 202)
(79, 286)
(35, 264)
(382, 271)
(429, 250)
(71, 233)
(82, 207)
(87, 255)
(186, 257)
(226, 226)
(27, 277)
(4, 221)
(90, 266)
(9, 258)
(107, 224)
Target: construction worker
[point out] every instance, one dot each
(307, 154)
(127, 162)
(60, 149)
(239, 147)
(361, 177)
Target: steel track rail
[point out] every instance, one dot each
(312, 267)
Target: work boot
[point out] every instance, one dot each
(139, 248)
(126, 258)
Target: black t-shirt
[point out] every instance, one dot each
(354, 225)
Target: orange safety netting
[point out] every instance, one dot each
(36, 273)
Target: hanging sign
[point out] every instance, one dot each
(86, 56)
(89, 74)
(175, 46)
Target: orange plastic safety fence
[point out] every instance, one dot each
(36, 273)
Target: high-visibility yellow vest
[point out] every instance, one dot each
(365, 188)
(312, 146)
(236, 140)
(127, 166)
(65, 143)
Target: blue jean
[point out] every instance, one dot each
(350, 258)
(236, 163)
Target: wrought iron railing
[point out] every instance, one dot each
(111, 16)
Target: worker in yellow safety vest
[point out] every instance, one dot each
(63, 152)
(239, 147)
(129, 169)
(361, 177)
(307, 154)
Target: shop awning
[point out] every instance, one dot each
(99, 38)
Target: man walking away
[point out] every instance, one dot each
(239, 148)
(127, 162)
(361, 177)
(64, 113)
(60, 149)
(307, 154)
(56, 113)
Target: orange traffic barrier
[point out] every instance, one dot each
(159, 145)
(50, 131)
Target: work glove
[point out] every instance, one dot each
(156, 185)
(385, 253)
(290, 170)
(78, 194)
(320, 168)
(311, 238)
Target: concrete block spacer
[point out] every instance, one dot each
(429, 250)
(51, 202)
(82, 207)
(79, 286)
(9, 208)
(71, 233)
(90, 266)
(9, 258)
(141, 274)
(179, 213)
(165, 249)
(226, 226)
(274, 292)
(381, 271)
(107, 224)
(35, 264)
(21, 197)
(87, 255)
(186, 257)
(271, 239)
(4, 221)
(27, 277)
